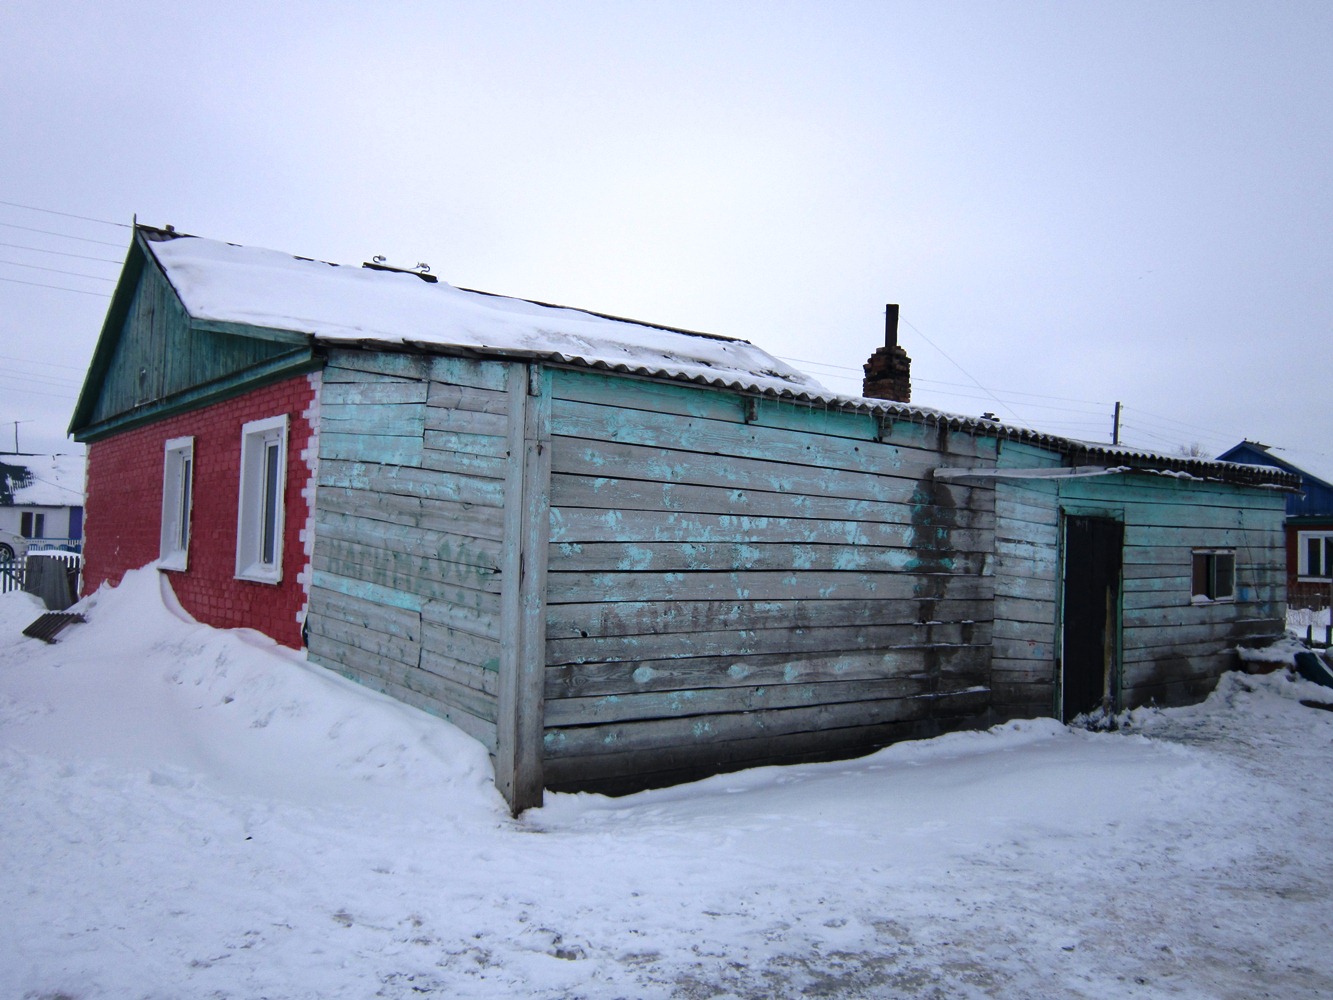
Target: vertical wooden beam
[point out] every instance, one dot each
(527, 525)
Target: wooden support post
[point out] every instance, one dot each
(519, 726)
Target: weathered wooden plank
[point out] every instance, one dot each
(467, 444)
(411, 482)
(659, 465)
(470, 372)
(610, 493)
(472, 399)
(587, 679)
(764, 585)
(378, 363)
(354, 587)
(603, 618)
(1150, 488)
(1157, 635)
(382, 448)
(658, 557)
(628, 771)
(440, 663)
(747, 642)
(352, 395)
(618, 737)
(405, 573)
(1223, 614)
(607, 424)
(677, 400)
(462, 646)
(385, 509)
(710, 701)
(462, 464)
(472, 562)
(466, 421)
(400, 648)
(1025, 639)
(581, 524)
(365, 614)
(1017, 609)
(481, 619)
(518, 764)
(445, 692)
(402, 419)
(1035, 588)
(456, 547)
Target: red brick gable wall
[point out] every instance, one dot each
(124, 509)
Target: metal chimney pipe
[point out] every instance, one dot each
(891, 326)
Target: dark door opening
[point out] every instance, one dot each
(1091, 633)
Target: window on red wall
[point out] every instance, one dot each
(259, 521)
(177, 487)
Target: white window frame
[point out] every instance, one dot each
(1214, 596)
(261, 504)
(177, 502)
(1303, 540)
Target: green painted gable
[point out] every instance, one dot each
(154, 359)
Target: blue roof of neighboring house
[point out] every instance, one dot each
(1315, 470)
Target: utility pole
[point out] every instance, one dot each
(16, 434)
(1115, 428)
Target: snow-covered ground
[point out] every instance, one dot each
(193, 813)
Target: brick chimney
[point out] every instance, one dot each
(889, 370)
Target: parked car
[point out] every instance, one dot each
(12, 547)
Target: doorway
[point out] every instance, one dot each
(1090, 637)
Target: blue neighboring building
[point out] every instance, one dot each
(1309, 519)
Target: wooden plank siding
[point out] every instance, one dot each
(409, 530)
(733, 580)
(1171, 649)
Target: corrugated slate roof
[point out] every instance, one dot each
(373, 307)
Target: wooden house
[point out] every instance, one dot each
(1309, 519)
(622, 555)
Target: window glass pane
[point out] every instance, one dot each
(1200, 574)
(268, 545)
(183, 527)
(1224, 576)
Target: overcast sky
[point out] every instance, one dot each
(1074, 203)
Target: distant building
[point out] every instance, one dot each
(1309, 519)
(41, 499)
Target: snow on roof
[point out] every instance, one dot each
(1312, 463)
(341, 304)
(52, 480)
(344, 304)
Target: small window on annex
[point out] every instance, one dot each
(177, 487)
(1314, 555)
(259, 521)
(1214, 575)
(32, 524)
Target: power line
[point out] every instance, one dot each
(48, 364)
(61, 253)
(58, 270)
(65, 236)
(59, 288)
(68, 215)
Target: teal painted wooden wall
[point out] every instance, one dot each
(733, 581)
(159, 353)
(408, 530)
